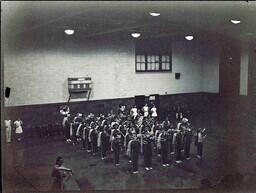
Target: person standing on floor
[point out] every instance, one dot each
(200, 138)
(116, 144)
(75, 126)
(135, 150)
(170, 133)
(134, 112)
(187, 141)
(148, 149)
(178, 146)
(18, 129)
(164, 148)
(61, 175)
(66, 127)
(127, 138)
(131, 138)
(84, 135)
(94, 136)
(184, 125)
(145, 110)
(90, 129)
(153, 111)
(8, 129)
(104, 140)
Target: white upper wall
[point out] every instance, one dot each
(210, 65)
(39, 75)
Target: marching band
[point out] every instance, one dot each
(133, 133)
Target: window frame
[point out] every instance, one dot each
(147, 63)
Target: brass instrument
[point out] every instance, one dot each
(64, 110)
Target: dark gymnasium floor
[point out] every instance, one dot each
(229, 148)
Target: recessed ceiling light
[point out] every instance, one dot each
(189, 37)
(155, 14)
(135, 35)
(69, 31)
(235, 21)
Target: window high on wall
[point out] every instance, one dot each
(153, 55)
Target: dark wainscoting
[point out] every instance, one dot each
(49, 113)
(199, 103)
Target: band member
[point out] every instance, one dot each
(186, 111)
(64, 110)
(145, 110)
(8, 128)
(104, 140)
(61, 175)
(114, 126)
(170, 133)
(134, 112)
(79, 126)
(75, 125)
(178, 146)
(201, 134)
(18, 129)
(94, 136)
(187, 142)
(90, 137)
(179, 114)
(153, 111)
(100, 131)
(84, 134)
(183, 126)
(158, 134)
(135, 150)
(80, 123)
(121, 132)
(116, 148)
(167, 123)
(127, 138)
(140, 138)
(108, 137)
(122, 111)
(147, 151)
(164, 148)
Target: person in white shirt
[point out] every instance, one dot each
(8, 127)
(18, 128)
(201, 134)
(153, 112)
(134, 112)
(145, 110)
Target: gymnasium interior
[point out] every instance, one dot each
(210, 70)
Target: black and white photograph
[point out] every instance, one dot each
(128, 96)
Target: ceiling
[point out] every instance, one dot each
(94, 18)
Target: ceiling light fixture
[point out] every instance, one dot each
(235, 21)
(154, 14)
(69, 31)
(135, 35)
(189, 37)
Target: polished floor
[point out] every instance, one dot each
(230, 148)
